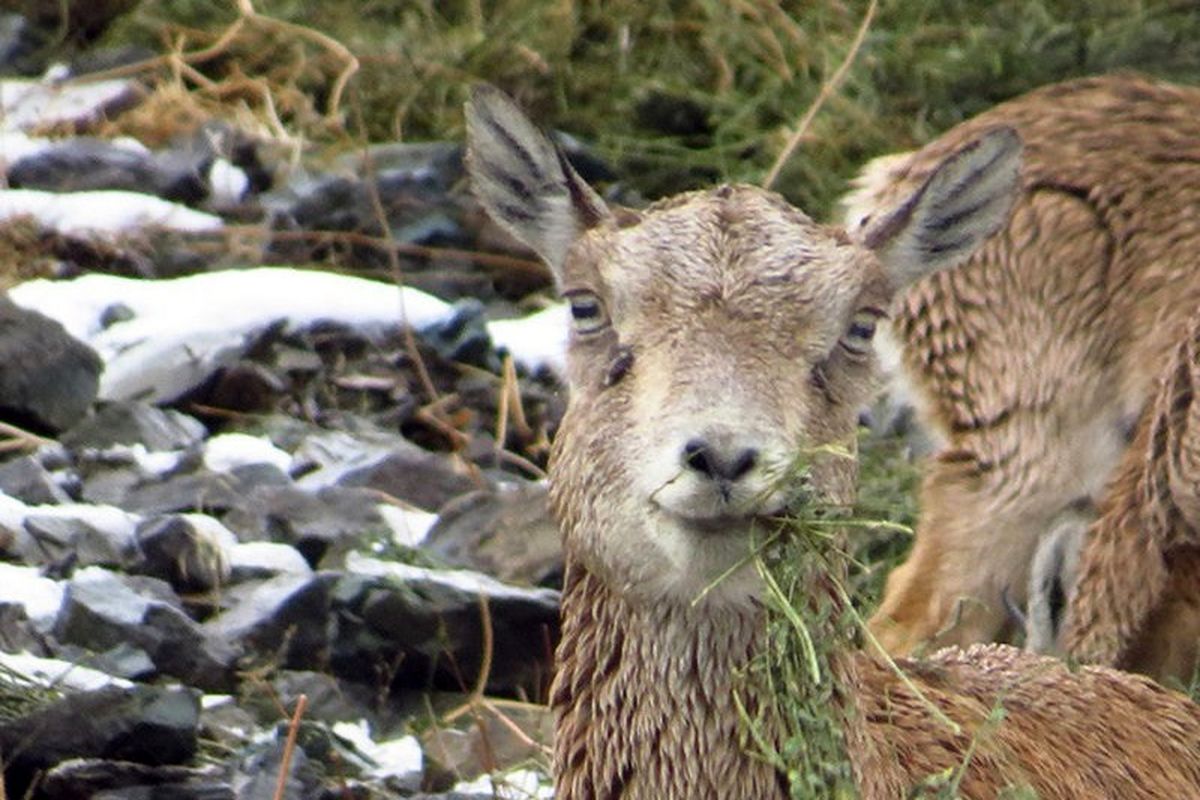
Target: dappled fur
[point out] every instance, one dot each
(1033, 360)
(1136, 601)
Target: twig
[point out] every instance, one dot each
(498, 260)
(410, 341)
(20, 439)
(827, 89)
(289, 747)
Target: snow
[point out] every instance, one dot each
(52, 672)
(26, 586)
(227, 182)
(536, 341)
(272, 557)
(520, 784)
(409, 526)
(396, 758)
(31, 104)
(227, 451)
(183, 329)
(103, 212)
(460, 579)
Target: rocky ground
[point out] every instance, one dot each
(229, 484)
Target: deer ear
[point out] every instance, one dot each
(524, 181)
(966, 199)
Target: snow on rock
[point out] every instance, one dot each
(182, 330)
(31, 104)
(227, 451)
(520, 784)
(26, 586)
(399, 759)
(102, 212)
(270, 558)
(536, 341)
(409, 526)
(466, 581)
(228, 183)
(51, 672)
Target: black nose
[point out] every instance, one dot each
(716, 463)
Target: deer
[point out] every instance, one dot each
(1031, 363)
(713, 334)
(1123, 589)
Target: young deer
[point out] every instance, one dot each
(1033, 360)
(1127, 588)
(715, 334)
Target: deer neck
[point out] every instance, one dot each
(644, 699)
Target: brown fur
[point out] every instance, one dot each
(1031, 361)
(1136, 602)
(713, 335)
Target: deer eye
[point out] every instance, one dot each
(857, 339)
(587, 312)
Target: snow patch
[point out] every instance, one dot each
(227, 451)
(51, 672)
(40, 596)
(102, 212)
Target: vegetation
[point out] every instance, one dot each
(678, 93)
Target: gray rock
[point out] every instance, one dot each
(84, 539)
(286, 619)
(134, 422)
(506, 532)
(387, 463)
(429, 622)
(50, 378)
(142, 724)
(97, 778)
(323, 525)
(256, 560)
(190, 552)
(201, 491)
(84, 164)
(27, 480)
(101, 611)
(256, 777)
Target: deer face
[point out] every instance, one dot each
(715, 336)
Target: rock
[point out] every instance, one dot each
(506, 532)
(49, 378)
(17, 631)
(109, 780)
(463, 337)
(27, 480)
(257, 774)
(86, 164)
(228, 451)
(200, 491)
(246, 387)
(42, 104)
(254, 560)
(102, 611)
(429, 622)
(80, 534)
(133, 422)
(488, 744)
(189, 551)
(323, 525)
(392, 465)
(286, 620)
(26, 588)
(142, 724)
